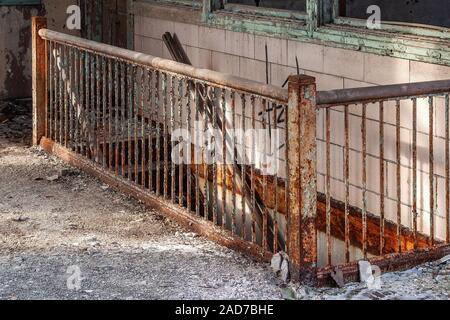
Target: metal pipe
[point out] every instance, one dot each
(398, 174)
(326, 99)
(382, 214)
(216, 78)
(431, 164)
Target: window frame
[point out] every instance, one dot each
(323, 25)
(390, 26)
(20, 2)
(265, 11)
(296, 24)
(190, 3)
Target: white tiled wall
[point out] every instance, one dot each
(243, 54)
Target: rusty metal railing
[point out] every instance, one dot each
(383, 170)
(220, 151)
(330, 178)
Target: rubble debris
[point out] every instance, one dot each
(20, 219)
(288, 293)
(280, 265)
(444, 260)
(367, 276)
(68, 172)
(52, 178)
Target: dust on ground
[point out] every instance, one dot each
(57, 223)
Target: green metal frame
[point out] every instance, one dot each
(322, 24)
(392, 26)
(192, 3)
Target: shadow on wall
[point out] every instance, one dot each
(15, 40)
(15, 52)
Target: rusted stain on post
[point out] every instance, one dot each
(39, 78)
(302, 205)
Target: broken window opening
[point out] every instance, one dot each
(423, 12)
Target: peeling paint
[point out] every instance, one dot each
(15, 54)
(15, 36)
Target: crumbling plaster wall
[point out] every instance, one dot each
(15, 43)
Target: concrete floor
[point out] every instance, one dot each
(65, 235)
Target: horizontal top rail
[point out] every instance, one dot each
(340, 97)
(217, 78)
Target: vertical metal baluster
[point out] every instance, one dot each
(61, 93)
(264, 171)
(123, 118)
(159, 78)
(88, 105)
(243, 165)
(189, 151)
(447, 168)
(117, 133)
(154, 128)
(136, 122)
(252, 169)
(111, 114)
(98, 116)
(77, 110)
(275, 179)
(105, 100)
(287, 181)
(180, 122)
(347, 184)
(55, 91)
(47, 85)
(233, 107)
(82, 105)
(72, 85)
(172, 143)
(66, 95)
(130, 92)
(215, 156)
(399, 192)
(364, 180)
(51, 88)
(328, 185)
(151, 121)
(206, 194)
(144, 82)
(431, 159)
(58, 130)
(197, 160)
(93, 109)
(166, 168)
(414, 182)
(224, 156)
(382, 215)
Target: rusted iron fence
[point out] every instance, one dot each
(383, 173)
(235, 160)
